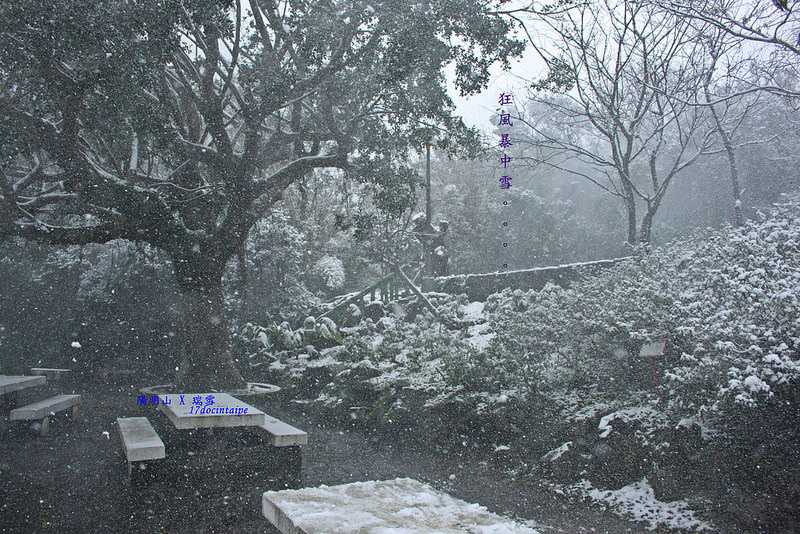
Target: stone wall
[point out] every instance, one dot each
(480, 286)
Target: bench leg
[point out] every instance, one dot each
(45, 428)
(75, 413)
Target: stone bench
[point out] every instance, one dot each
(140, 441)
(290, 440)
(42, 410)
(281, 434)
(51, 374)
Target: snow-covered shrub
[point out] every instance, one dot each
(281, 341)
(276, 287)
(331, 271)
(727, 302)
(735, 295)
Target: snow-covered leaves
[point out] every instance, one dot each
(727, 302)
(331, 270)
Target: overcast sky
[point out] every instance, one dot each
(478, 109)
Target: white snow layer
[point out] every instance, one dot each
(478, 336)
(637, 501)
(556, 453)
(473, 311)
(400, 506)
(637, 413)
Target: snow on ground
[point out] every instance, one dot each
(577, 413)
(478, 337)
(706, 432)
(400, 506)
(556, 453)
(477, 334)
(644, 415)
(473, 311)
(637, 501)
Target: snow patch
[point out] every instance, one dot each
(637, 413)
(473, 311)
(556, 453)
(705, 432)
(637, 501)
(478, 336)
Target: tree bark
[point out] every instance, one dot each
(630, 207)
(206, 361)
(647, 225)
(731, 153)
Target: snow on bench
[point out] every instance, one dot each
(400, 505)
(51, 374)
(283, 434)
(140, 441)
(42, 410)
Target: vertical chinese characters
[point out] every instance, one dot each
(505, 142)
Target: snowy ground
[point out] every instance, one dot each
(479, 334)
(637, 502)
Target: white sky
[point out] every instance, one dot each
(477, 109)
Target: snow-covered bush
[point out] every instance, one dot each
(331, 271)
(735, 296)
(281, 341)
(726, 302)
(275, 286)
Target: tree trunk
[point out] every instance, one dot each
(630, 207)
(206, 361)
(731, 153)
(647, 226)
(729, 150)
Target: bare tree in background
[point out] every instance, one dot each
(619, 101)
(729, 103)
(773, 23)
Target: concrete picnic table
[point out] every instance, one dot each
(214, 410)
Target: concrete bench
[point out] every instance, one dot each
(51, 374)
(281, 434)
(140, 441)
(400, 505)
(42, 410)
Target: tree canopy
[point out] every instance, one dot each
(179, 123)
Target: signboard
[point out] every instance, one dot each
(653, 350)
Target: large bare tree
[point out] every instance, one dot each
(617, 107)
(180, 122)
(773, 24)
